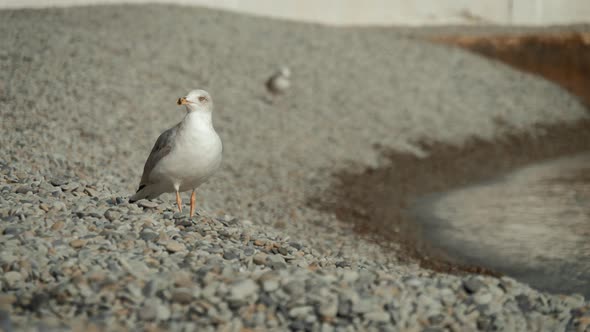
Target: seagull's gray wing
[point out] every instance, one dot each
(160, 150)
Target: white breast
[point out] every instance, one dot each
(196, 154)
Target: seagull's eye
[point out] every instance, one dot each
(202, 99)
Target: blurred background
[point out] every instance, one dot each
(381, 12)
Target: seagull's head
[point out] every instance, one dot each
(196, 100)
(285, 72)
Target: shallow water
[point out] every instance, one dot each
(532, 224)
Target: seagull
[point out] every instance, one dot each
(279, 83)
(184, 156)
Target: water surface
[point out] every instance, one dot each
(532, 224)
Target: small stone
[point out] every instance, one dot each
(524, 303)
(58, 182)
(230, 254)
(328, 307)
(482, 298)
(270, 285)
(344, 308)
(243, 289)
(182, 295)
(112, 215)
(147, 204)
(77, 243)
(91, 192)
(260, 258)
(283, 251)
(23, 190)
(148, 235)
(259, 243)
(277, 262)
(148, 312)
(472, 285)
(343, 264)
(57, 225)
(7, 299)
(174, 246)
(485, 323)
(70, 186)
(363, 306)
(296, 245)
(377, 316)
(12, 279)
(300, 312)
(249, 252)
(12, 230)
(436, 319)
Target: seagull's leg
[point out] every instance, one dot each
(193, 199)
(178, 201)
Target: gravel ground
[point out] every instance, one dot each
(84, 93)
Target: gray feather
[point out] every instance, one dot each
(160, 150)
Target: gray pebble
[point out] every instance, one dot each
(243, 289)
(230, 254)
(377, 316)
(472, 285)
(249, 251)
(12, 230)
(12, 279)
(24, 190)
(260, 258)
(148, 235)
(70, 186)
(182, 295)
(147, 204)
(277, 262)
(112, 215)
(149, 311)
(58, 182)
(270, 285)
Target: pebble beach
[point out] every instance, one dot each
(84, 93)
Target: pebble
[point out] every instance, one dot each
(147, 204)
(182, 295)
(148, 235)
(482, 297)
(230, 254)
(174, 246)
(24, 190)
(58, 225)
(78, 243)
(377, 316)
(58, 182)
(277, 262)
(243, 289)
(472, 285)
(260, 258)
(270, 285)
(149, 311)
(12, 230)
(12, 279)
(70, 186)
(91, 192)
(112, 215)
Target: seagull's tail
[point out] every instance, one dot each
(141, 193)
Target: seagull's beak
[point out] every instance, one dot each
(182, 101)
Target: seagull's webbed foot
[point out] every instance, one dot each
(179, 201)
